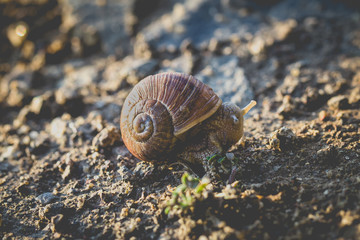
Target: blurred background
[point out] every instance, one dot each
(78, 50)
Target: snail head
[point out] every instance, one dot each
(233, 120)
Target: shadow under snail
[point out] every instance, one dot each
(176, 116)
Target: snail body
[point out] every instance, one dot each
(173, 115)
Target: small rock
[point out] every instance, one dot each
(338, 102)
(15, 87)
(22, 117)
(354, 98)
(18, 92)
(57, 50)
(1, 221)
(257, 45)
(336, 83)
(67, 167)
(59, 223)
(283, 139)
(41, 105)
(36, 104)
(7, 153)
(50, 210)
(347, 218)
(46, 198)
(106, 138)
(323, 115)
(58, 128)
(230, 156)
(68, 172)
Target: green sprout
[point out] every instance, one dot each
(186, 193)
(220, 163)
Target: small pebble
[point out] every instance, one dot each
(230, 156)
(58, 128)
(106, 138)
(36, 104)
(282, 139)
(46, 198)
(323, 115)
(338, 102)
(58, 223)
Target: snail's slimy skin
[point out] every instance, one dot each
(216, 134)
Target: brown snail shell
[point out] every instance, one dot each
(161, 109)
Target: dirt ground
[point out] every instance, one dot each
(67, 66)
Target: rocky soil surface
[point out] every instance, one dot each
(67, 66)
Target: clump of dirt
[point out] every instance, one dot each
(67, 66)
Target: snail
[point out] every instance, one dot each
(174, 115)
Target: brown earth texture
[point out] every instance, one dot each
(66, 68)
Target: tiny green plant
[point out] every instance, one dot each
(220, 163)
(186, 193)
(212, 157)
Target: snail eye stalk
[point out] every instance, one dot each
(246, 109)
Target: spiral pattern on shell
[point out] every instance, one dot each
(149, 124)
(160, 109)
